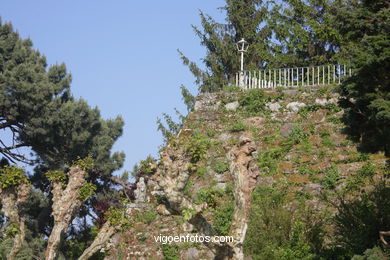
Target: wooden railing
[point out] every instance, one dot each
(292, 77)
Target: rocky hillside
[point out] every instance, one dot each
(273, 169)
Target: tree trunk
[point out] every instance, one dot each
(105, 233)
(11, 200)
(66, 202)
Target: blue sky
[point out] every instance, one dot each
(121, 54)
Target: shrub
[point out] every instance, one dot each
(87, 190)
(326, 140)
(253, 101)
(170, 252)
(11, 176)
(56, 176)
(238, 126)
(268, 160)
(197, 146)
(223, 218)
(359, 221)
(297, 135)
(367, 170)
(85, 164)
(374, 253)
(201, 172)
(210, 196)
(146, 217)
(272, 231)
(331, 178)
(220, 167)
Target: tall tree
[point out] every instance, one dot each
(304, 32)
(365, 26)
(244, 19)
(39, 112)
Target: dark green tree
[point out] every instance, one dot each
(38, 112)
(365, 26)
(244, 19)
(304, 32)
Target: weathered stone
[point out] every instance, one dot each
(224, 137)
(220, 186)
(187, 227)
(232, 106)
(140, 192)
(162, 210)
(321, 101)
(274, 107)
(191, 254)
(255, 121)
(286, 130)
(324, 101)
(206, 102)
(295, 106)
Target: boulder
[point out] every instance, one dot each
(295, 106)
(274, 107)
(232, 106)
(191, 254)
(162, 210)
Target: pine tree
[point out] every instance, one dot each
(244, 19)
(304, 32)
(40, 113)
(366, 95)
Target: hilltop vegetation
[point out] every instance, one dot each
(282, 163)
(290, 174)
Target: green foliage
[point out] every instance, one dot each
(304, 32)
(362, 218)
(220, 167)
(268, 160)
(188, 98)
(201, 172)
(40, 113)
(87, 190)
(237, 126)
(253, 101)
(374, 253)
(326, 140)
(365, 95)
(118, 218)
(297, 135)
(75, 246)
(272, 231)
(187, 188)
(12, 230)
(209, 195)
(331, 178)
(197, 146)
(243, 19)
(11, 176)
(222, 218)
(56, 176)
(85, 164)
(232, 89)
(188, 214)
(146, 217)
(171, 252)
(367, 170)
(144, 167)
(171, 129)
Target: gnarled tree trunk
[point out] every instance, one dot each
(66, 202)
(11, 200)
(105, 233)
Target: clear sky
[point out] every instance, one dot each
(121, 54)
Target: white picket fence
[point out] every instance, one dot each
(292, 77)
